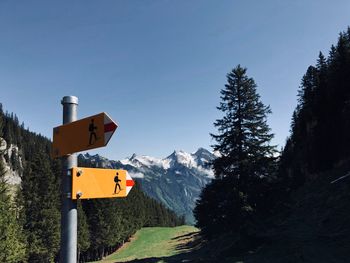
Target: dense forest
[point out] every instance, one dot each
(30, 213)
(257, 190)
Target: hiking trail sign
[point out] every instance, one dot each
(100, 183)
(85, 134)
(75, 136)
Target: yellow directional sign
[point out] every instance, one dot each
(100, 183)
(89, 133)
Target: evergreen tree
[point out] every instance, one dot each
(12, 245)
(246, 161)
(105, 228)
(42, 218)
(319, 138)
(83, 233)
(243, 135)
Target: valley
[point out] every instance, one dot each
(176, 180)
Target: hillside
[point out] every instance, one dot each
(302, 213)
(176, 180)
(314, 228)
(103, 224)
(153, 244)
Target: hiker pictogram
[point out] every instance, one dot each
(93, 136)
(117, 180)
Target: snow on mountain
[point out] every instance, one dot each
(144, 160)
(176, 180)
(199, 160)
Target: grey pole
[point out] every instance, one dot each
(69, 216)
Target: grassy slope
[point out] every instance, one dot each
(154, 242)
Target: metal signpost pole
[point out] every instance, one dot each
(69, 207)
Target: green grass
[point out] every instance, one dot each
(151, 242)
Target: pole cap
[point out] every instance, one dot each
(69, 100)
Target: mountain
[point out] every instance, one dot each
(176, 180)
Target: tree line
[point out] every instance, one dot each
(30, 213)
(252, 179)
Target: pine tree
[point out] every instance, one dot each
(83, 233)
(246, 161)
(42, 217)
(243, 138)
(319, 138)
(12, 246)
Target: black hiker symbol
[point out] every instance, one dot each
(93, 136)
(117, 180)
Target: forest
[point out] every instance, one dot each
(30, 213)
(257, 189)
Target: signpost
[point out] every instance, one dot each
(85, 134)
(69, 222)
(75, 136)
(100, 183)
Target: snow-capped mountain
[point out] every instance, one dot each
(176, 180)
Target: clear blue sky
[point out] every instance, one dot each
(157, 66)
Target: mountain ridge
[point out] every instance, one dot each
(175, 180)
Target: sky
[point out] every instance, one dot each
(157, 67)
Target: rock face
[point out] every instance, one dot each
(176, 180)
(12, 174)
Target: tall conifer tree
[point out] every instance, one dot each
(243, 138)
(42, 217)
(246, 159)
